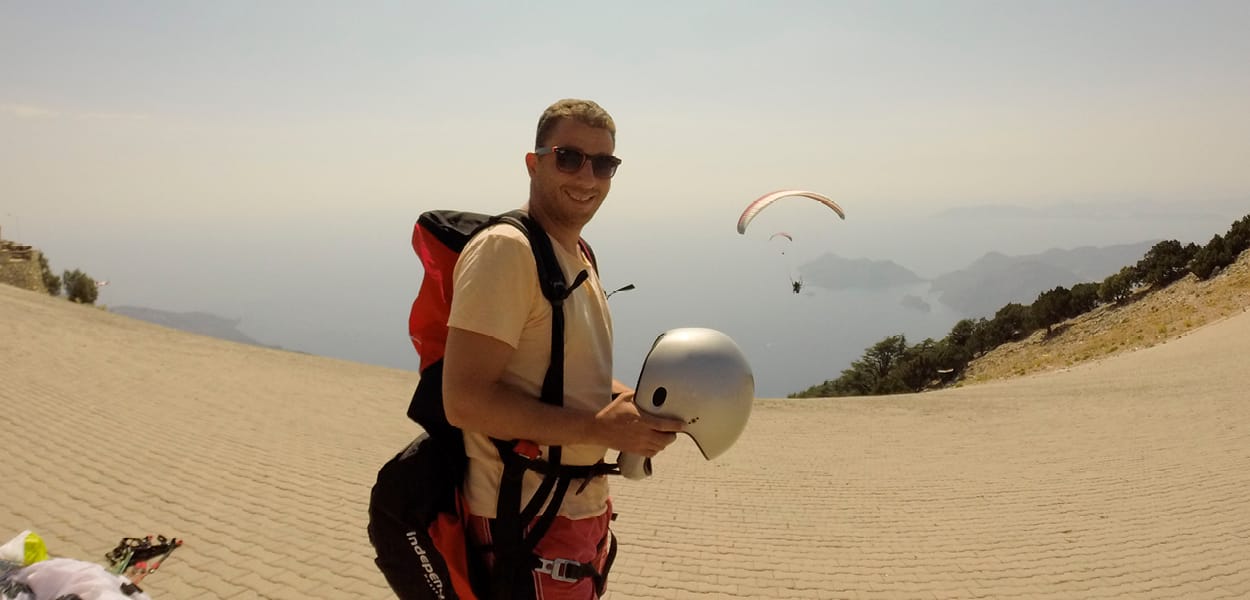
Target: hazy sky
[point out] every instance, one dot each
(266, 160)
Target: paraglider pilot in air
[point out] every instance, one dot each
(762, 202)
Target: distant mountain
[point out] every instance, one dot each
(833, 272)
(1188, 210)
(995, 279)
(915, 302)
(988, 211)
(1096, 263)
(192, 322)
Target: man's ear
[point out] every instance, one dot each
(531, 162)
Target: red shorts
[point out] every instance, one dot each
(580, 540)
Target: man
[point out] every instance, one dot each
(499, 343)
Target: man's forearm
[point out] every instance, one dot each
(504, 412)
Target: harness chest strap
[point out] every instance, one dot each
(533, 461)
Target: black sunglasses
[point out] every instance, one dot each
(570, 160)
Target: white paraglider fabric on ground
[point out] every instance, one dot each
(53, 578)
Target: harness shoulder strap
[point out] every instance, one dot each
(514, 547)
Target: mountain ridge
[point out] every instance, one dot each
(987, 283)
(198, 322)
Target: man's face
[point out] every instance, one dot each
(570, 198)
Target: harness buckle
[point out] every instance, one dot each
(527, 449)
(558, 569)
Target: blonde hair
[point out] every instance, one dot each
(586, 112)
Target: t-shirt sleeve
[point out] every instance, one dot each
(494, 285)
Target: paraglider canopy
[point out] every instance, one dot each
(764, 201)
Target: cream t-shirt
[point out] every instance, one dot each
(496, 293)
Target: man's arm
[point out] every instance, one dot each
(476, 400)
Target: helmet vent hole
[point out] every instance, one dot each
(659, 396)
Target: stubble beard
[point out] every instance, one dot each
(566, 211)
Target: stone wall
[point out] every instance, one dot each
(19, 266)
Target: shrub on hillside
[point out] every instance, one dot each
(983, 338)
(870, 375)
(1166, 262)
(959, 342)
(1212, 257)
(1084, 299)
(1238, 238)
(916, 368)
(80, 287)
(1011, 323)
(878, 361)
(1051, 307)
(51, 282)
(1117, 287)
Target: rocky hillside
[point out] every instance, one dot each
(1149, 319)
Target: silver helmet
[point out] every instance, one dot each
(701, 377)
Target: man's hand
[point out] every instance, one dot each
(623, 427)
